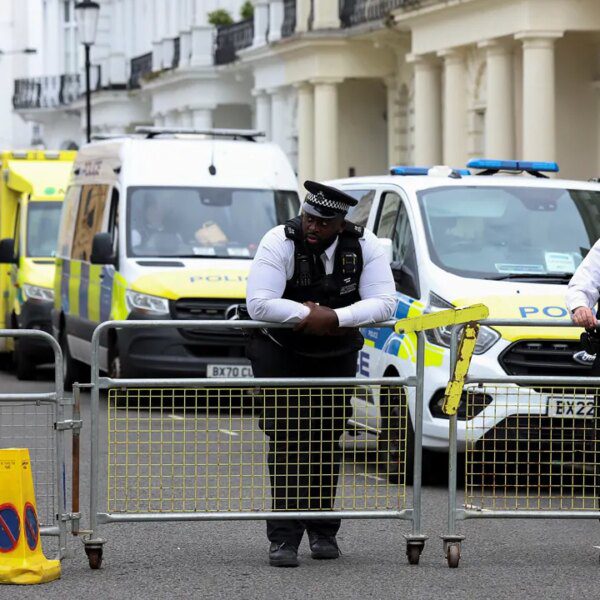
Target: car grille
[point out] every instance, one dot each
(544, 357)
(201, 309)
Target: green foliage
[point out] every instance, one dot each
(220, 17)
(247, 10)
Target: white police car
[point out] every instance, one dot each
(499, 232)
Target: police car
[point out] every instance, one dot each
(500, 232)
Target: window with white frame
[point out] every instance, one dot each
(70, 45)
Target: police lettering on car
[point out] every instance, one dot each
(328, 277)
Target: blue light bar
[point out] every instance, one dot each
(513, 165)
(401, 170)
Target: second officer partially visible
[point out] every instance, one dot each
(327, 276)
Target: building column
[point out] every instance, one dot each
(326, 14)
(202, 117)
(186, 118)
(596, 85)
(302, 15)
(326, 136)
(275, 20)
(499, 112)
(539, 95)
(261, 22)
(455, 108)
(202, 36)
(263, 112)
(278, 117)
(428, 113)
(306, 132)
(393, 129)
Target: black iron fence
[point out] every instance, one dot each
(231, 39)
(289, 18)
(176, 52)
(139, 66)
(53, 91)
(355, 12)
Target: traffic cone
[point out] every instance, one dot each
(21, 557)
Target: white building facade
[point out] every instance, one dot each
(346, 86)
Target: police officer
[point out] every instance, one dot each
(584, 289)
(327, 276)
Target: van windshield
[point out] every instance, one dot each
(203, 222)
(535, 233)
(43, 219)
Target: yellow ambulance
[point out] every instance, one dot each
(32, 188)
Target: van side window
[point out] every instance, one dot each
(394, 223)
(89, 219)
(16, 233)
(113, 219)
(67, 221)
(359, 214)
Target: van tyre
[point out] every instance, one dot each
(394, 454)
(73, 370)
(24, 368)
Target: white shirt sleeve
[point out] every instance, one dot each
(271, 268)
(583, 289)
(376, 288)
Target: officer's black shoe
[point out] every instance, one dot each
(283, 555)
(323, 547)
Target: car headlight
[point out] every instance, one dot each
(36, 292)
(146, 303)
(442, 335)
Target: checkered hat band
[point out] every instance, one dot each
(320, 200)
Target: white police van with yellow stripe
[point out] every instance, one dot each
(510, 239)
(164, 225)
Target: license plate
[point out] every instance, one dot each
(572, 408)
(229, 371)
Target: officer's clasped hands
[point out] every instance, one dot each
(320, 321)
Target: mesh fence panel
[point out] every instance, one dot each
(532, 449)
(248, 449)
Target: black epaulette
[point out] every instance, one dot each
(293, 229)
(354, 230)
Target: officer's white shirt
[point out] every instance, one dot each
(273, 266)
(583, 289)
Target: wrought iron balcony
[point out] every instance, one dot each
(231, 39)
(53, 91)
(140, 66)
(355, 12)
(289, 18)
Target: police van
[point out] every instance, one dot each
(501, 233)
(164, 225)
(32, 187)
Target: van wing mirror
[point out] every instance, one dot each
(7, 251)
(102, 250)
(386, 244)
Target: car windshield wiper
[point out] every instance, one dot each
(540, 276)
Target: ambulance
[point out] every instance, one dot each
(164, 225)
(501, 233)
(32, 187)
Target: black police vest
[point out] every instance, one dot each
(339, 289)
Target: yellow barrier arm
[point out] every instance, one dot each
(443, 318)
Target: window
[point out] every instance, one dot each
(359, 214)
(70, 42)
(16, 234)
(67, 221)
(390, 203)
(43, 219)
(89, 219)
(113, 220)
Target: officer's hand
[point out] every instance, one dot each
(320, 321)
(584, 317)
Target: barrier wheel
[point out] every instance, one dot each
(453, 555)
(94, 557)
(413, 553)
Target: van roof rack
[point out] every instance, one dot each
(249, 135)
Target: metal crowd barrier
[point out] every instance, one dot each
(180, 450)
(531, 444)
(37, 421)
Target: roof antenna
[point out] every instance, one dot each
(212, 169)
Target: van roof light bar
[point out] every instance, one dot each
(417, 171)
(244, 134)
(491, 167)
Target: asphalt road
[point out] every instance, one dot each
(500, 559)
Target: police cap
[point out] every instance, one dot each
(326, 202)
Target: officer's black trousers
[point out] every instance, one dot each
(304, 427)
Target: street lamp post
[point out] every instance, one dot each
(87, 23)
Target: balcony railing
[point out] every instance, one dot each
(355, 12)
(140, 66)
(176, 52)
(289, 18)
(53, 91)
(231, 39)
